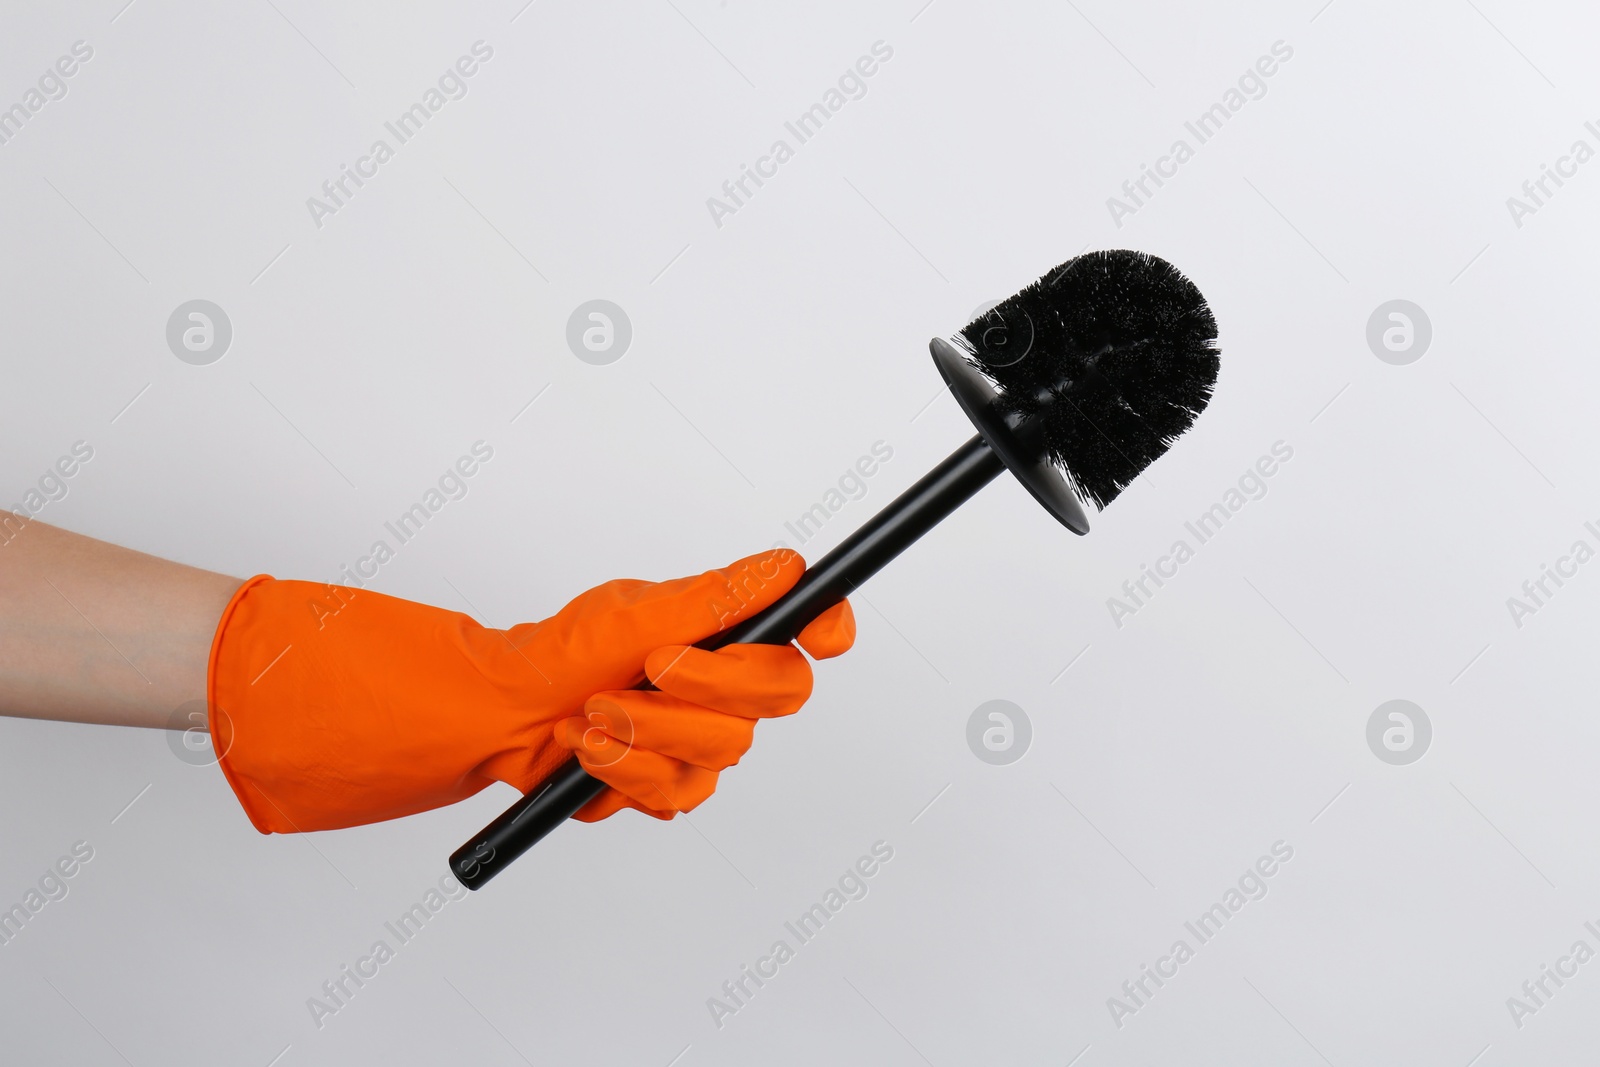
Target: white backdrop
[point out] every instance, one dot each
(772, 346)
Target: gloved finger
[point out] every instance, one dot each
(754, 681)
(607, 804)
(660, 722)
(610, 802)
(657, 782)
(711, 602)
(641, 616)
(831, 633)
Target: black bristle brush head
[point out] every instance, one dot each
(1110, 356)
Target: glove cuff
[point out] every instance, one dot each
(334, 707)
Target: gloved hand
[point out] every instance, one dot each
(334, 707)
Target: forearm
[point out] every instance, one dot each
(93, 632)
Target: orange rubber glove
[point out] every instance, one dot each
(334, 707)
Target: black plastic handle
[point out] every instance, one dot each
(833, 577)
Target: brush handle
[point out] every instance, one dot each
(834, 577)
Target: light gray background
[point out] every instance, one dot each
(768, 355)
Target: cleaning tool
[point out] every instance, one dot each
(1075, 385)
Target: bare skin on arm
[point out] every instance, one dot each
(93, 632)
